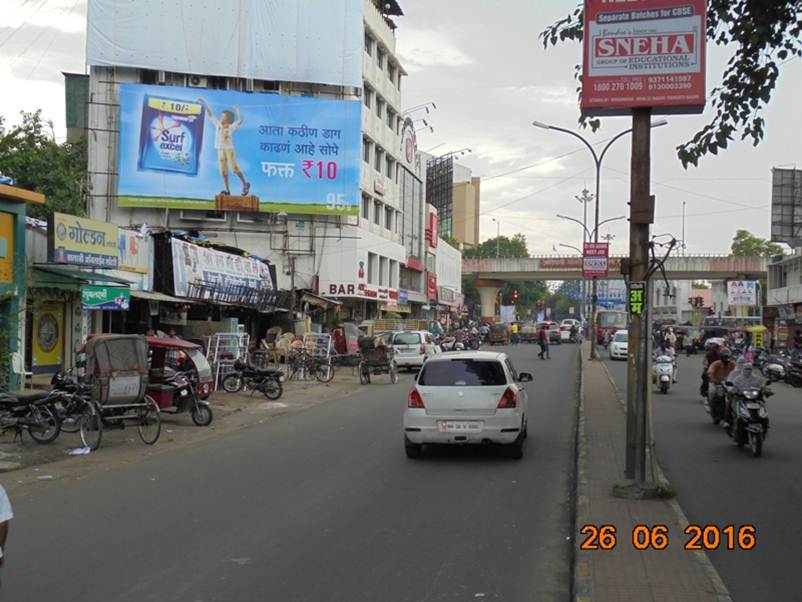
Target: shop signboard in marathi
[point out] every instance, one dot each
(221, 150)
(643, 53)
(595, 260)
(742, 292)
(80, 241)
(216, 272)
(107, 298)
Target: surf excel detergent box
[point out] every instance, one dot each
(171, 135)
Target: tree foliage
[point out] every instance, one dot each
(30, 155)
(746, 244)
(507, 247)
(763, 34)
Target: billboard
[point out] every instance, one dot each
(280, 40)
(786, 206)
(742, 292)
(195, 265)
(595, 259)
(80, 241)
(216, 150)
(643, 53)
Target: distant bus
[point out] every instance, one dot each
(609, 320)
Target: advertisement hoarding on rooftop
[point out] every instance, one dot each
(315, 41)
(643, 53)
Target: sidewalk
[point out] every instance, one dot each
(624, 573)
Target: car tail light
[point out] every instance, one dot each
(414, 400)
(509, 399)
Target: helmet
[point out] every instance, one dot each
(747, 366)
(725, 354)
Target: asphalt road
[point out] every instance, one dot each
(321, 505)
(718, 483)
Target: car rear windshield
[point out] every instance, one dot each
(621, 337)
(407, 338)
(462, 372)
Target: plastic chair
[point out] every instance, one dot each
(18, 367)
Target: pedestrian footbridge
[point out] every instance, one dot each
(490, 273)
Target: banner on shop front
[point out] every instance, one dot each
(643, 53)
(77, 240)
(215, 271)
(221, 150)
(106, 298)
(136, 251)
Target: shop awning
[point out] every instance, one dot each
(153, 296)
(69, 280)
(318, 301)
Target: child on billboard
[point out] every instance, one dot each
(227, 157)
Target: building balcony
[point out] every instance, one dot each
(786, 295)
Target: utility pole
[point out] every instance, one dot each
(683, 228)
(498, 235)
(585, 197)
(638, 382)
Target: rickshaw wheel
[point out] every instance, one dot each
(202, 414)
(272, 388)
(393, 373)
(364, 376)
(324, 373)
(91, 426)
(150, 422)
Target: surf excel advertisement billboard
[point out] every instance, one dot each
(220, 150)
(643, 53)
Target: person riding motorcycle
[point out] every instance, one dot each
(573, 332)
(747, 379)
(711, 356)
(719, 371)
(665, 349)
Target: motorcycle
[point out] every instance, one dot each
(749, 422)
(773, 367)
(32, 412)
(715, 406)
(245, 376)
(449, 343)
(663, 372)
(474, 341)
(793, 373)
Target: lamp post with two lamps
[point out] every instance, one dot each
(597, 159)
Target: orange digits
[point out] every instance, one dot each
(710, 537)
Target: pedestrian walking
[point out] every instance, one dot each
(542, 337)
(6, 515)
(546, 343)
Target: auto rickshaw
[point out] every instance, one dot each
(180, 378)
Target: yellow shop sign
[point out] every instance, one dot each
(81, 241)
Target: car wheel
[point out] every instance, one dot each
(413, 450)
(515, 450)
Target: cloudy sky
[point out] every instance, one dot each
(484, 66)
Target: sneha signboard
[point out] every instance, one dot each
(219, 150)
(80, 241)
(643, 53)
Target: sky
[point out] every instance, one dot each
(484, 66)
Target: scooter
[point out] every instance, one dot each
(749, 422)
(715, 405)
(663, 372)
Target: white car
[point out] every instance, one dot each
(413, 347)
(467, 397)
(619, 346)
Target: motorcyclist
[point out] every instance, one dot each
(746, 379)
(669, 338)
(711, 356)
(666, 349)
(573, 332)
(719, 371)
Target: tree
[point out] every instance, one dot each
(507, 247)
(763, 36)
(451, 241)
(30, 155)
(745, 244)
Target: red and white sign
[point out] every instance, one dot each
(643, 53)
(595, 259)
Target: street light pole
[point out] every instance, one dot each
(597, 159)
(498, 235)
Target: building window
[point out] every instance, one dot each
(366, 144)
(367, 96)
(371, 268)
(379, 107)
(378, 158)
(388, 164)
(377, 213)
(380, 57)
(399, 80)
(366, 202)
(368, 44)
(390, 118)
(391, 72)
(383, 275)
(393, 274)
(388, 218)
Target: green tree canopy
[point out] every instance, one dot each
(30, 155)
(761, 35)
(507, 247)
(746, 244)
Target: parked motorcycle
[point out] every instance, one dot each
(663, 372)
(246, 376)
(30, 412)
(473, 341)
(450, 343)
(749, 421)
(793, 373)
(69, 407)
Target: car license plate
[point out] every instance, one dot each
(459, 426)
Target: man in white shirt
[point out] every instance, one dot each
(6, 514)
